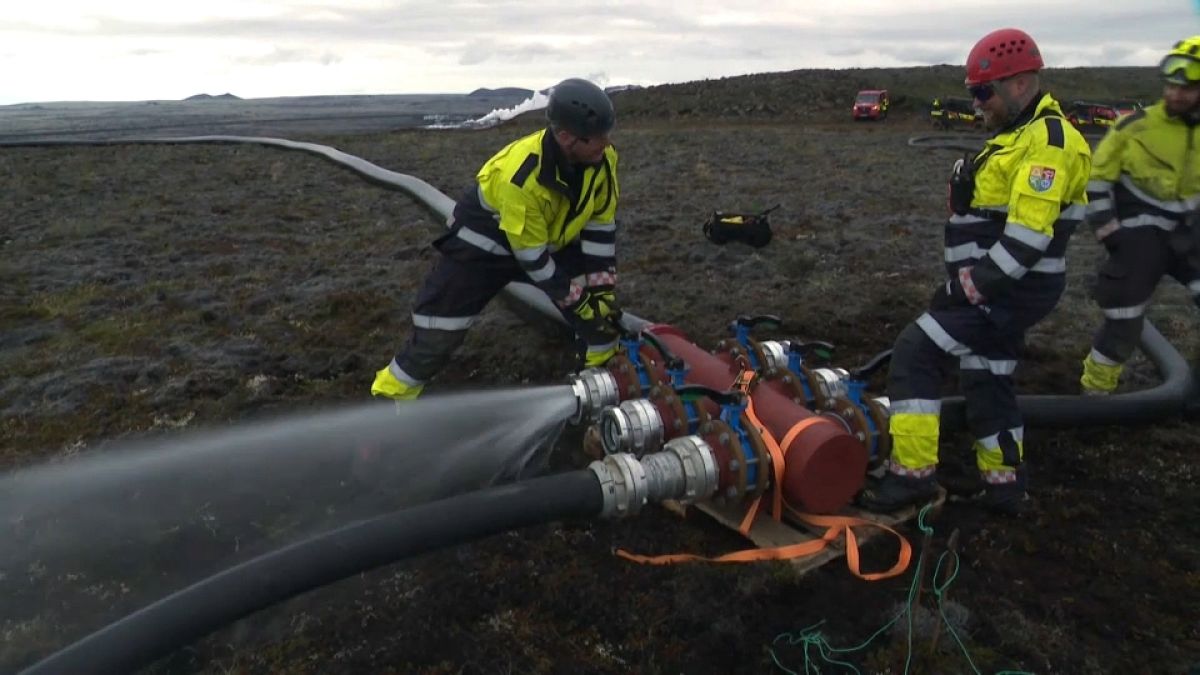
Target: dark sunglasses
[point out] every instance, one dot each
(589, 139)
(983, 92)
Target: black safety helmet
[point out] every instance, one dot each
(580, 107)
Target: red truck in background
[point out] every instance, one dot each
(870, 104)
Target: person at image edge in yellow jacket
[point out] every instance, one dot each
(1143, 202)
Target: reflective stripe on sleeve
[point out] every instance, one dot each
(443, 322)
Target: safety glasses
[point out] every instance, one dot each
(982, 92)
(1180, 69)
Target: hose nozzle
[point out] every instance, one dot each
(595, 389)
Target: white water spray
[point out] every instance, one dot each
(89, 539)
(535, 102)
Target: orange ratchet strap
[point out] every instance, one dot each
(835, 525)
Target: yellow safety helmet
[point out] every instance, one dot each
(1182, 64)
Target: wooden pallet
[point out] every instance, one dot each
(769, 533)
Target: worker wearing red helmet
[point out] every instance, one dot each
(1144, 206)
(1013, 206)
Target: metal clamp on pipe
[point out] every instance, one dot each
(865, 417)
(786, 363)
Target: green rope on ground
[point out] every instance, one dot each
(815, 645)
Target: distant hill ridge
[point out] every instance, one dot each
(502, 91)
(209, 97)
(519, 91)
(815, 93)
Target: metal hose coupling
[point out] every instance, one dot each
(774, 355)
(635, 426)
(685, 470)
(595, 389)
(832, 382)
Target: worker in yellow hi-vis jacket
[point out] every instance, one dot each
(1143, 200)
(1013, 207)
(542, 210)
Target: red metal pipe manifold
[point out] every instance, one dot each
(824, 466)
(636, 404)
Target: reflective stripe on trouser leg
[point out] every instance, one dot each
(914, 387)
(1100, 373)
(1124, 286)
(987, 360)
(599, 354)
(428, 351)
(450, 300)
(986, 341)
(991, 407)
(990, 451)
(985, 377)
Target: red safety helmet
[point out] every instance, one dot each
(1000, 54)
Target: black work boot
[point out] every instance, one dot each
(895, 492)
(1007, 499)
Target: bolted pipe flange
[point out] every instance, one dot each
(634, 426)
(699, 465)
(623, 484)
(595, 389)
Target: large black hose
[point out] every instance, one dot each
(1174, 396)
(186, 615)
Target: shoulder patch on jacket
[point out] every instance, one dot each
(526, 170)
(1130, 119)
(1054, 132)
(1041, 178)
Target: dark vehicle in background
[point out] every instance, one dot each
(954, 112)
(870, 104)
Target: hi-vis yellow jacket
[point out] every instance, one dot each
(1145, 173)
(529, 202)
(1029, 195)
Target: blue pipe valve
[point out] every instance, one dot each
(797, 351)
(741, 328)
(632, 342)
(856, 386)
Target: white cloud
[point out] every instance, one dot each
(141, 49)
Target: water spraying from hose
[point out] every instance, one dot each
(90, 538)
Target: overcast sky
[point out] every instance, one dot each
(57, 50)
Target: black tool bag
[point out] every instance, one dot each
(752, 229)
